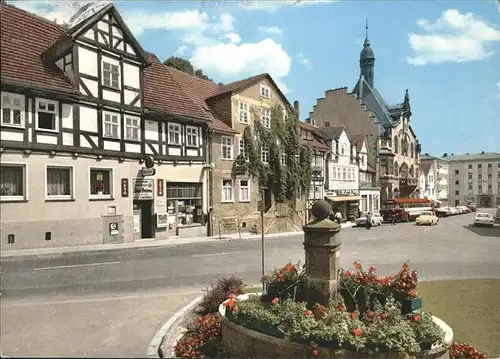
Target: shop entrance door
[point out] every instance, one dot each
(143, 219)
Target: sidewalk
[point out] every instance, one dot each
(143, 243)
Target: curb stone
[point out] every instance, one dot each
(167, 329)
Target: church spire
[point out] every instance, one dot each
(367, 59)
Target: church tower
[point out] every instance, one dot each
(367, 60)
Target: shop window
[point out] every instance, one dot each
(13, 181)
(101, 182)
(185, 202)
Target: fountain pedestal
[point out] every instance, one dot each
(322, 253)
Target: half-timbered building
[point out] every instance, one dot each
(98, 142)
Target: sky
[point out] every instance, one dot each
(446, 53)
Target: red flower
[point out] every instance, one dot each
(371, 314)
(416, 318)
(275, 301)
(315, 352)
(357, 265)
(231, 296)
(280, 275)
(412, 294)
(371, 269)
(340, 307)
(353, 315)
(357, 332)
(348, 273)
(383, 316)
(308, 313)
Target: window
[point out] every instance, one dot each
(470, 176)
(101, 182)
(174, 134)
(283, 158)
(132, 128)
(265, 91)
(479, 166)
(480, 187)
(470, 187)
(349, 174)
(227, 190)
(111, 125)
(13, 181)
(456, 182)
(334, 173)
(244, 191)
(227, 148)
(12, 109)
(243, 112)
(185, 200)
(265, 117)
(264, 154)
(470, 167)
(191, 136)
(490, 187)
(110, 75)
(489, 175)
(457, 172)
(489, 165)
(243, 149)
(338, 173)
(46, 115)
(344, 174)
(59, 182)
(327, 123)
(456, 193)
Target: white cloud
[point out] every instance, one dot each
(271, 30)
(304, 60)
(454, 37)
(58, 11)
(274, 5)
(181, 50)
(231, 61)
(233, 37)
(226, 22)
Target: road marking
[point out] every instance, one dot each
(76, 266)
(428, 229)
(370, 238)
(212, 254)
(7, 303)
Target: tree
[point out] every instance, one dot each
(186, 66)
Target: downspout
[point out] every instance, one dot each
(209, 168)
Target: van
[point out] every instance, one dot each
(497, 216)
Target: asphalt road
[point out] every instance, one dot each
(111, 303)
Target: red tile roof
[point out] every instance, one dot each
(25, 37)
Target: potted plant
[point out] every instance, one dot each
(99, 188)
(404, 288)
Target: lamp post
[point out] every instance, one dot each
(262, 207)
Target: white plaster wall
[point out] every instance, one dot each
(87, 61)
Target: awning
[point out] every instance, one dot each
(435, 200)
(343, 198)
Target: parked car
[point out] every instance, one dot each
(427, 217)
(497, 216)
(471, 207)
(443, 211)
(483, 220)
(453, 211)
(376, 219)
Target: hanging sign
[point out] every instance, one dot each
(124, 187)
(159, 187)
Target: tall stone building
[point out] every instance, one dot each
(387, 127)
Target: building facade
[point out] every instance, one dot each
(474, 178)
(98, 143)
(368, 190)
(434, 178)
(387, 127)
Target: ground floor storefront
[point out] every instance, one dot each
(346, 204)
(370, 200)
(63, 200)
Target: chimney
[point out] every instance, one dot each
(482, 152)
(445, 154)
(296, 108)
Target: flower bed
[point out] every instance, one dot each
(362, 289)
(286, 282)
(465, 351)
(381, 331)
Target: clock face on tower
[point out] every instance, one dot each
(87, 11)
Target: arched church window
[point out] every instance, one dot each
(396, 144)
(396, 169)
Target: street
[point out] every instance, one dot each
(110, 304)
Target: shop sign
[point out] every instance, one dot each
(348, 192)
(147, 171)
(113, 229)
(124, 187)
(159, 187)
(143, 188)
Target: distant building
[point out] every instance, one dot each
(434, 178)
(475, 178)
(368, 190)
(387, 127)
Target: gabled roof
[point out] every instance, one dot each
(250, 81)
(25, 37)
(333, 132)
(358, 141)
(82, 27)
(425, 167)
(199, 90)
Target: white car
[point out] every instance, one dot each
(484, 219)
(427, 217)
(376, 219)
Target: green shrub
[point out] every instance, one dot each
(216, 293)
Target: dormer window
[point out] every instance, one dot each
(110, 75)
(265, 91)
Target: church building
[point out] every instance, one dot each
(393, 146)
